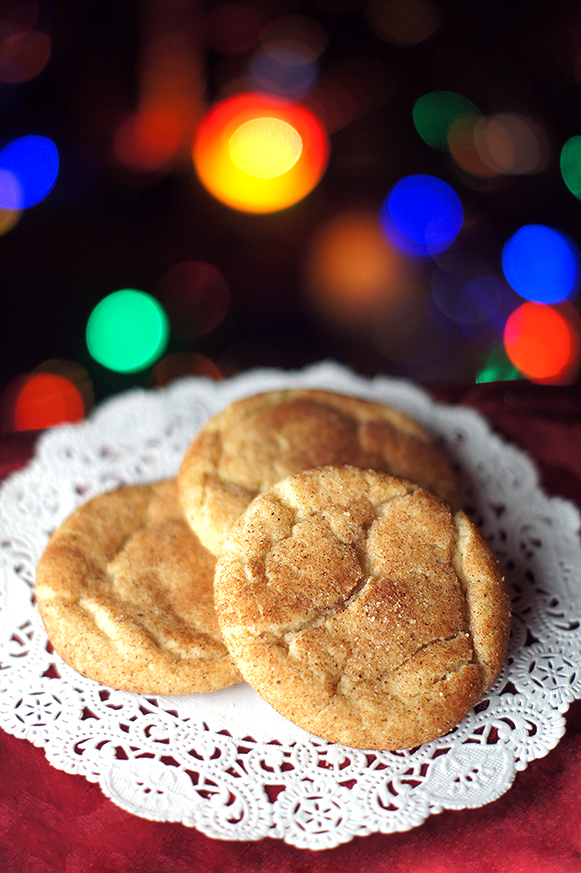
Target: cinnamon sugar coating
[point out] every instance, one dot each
(361, 607)
(125, 591)
(256, 441)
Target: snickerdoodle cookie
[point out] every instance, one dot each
(361, 607)
(254, 442)
(125, 592)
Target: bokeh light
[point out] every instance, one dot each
(151, 138)
(474, 309)
(47, 400)
(265, 147)
(422, 215)
(463, 147)
(23, 56)
(8, 217)
(495, 366)
(348, 88)
(403, 22)
(570, 162)
(56, 392)
(264, 124)
(287, 62)
(512, 144)
(288, 72)
(28, 171)
(351, 270)
(177, 365)
(127, 331)
(504, 144)
(195, 296)
(540, 342)
(542, 264)
(434, 113)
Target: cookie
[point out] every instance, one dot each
(125, 592)
(361, 607)
(256, 441)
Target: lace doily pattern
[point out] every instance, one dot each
(225, 763)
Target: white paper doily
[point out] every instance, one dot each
(225, 762)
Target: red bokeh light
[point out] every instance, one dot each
(46, 400)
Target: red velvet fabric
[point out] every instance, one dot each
(52, 822)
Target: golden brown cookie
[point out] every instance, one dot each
(125, 592)
(361, 608)
(254, 442)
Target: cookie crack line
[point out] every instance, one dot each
(450, 639)
(108, 626)
(442, 677)
(379, 509)
(327, 612)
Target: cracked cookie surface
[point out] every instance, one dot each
(125, 590)
(361, 607)
(254, 442)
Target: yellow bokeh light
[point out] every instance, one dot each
(259, 154)
(265, 147)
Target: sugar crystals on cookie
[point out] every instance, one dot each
(361, 607)
(125, 590)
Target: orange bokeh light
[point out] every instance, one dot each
(541, 342)
(228, 182)
(351, 271)
(153, 136)
(180, 364)
(47, 400)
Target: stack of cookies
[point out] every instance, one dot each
(312, 545)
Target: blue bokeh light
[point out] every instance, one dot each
(28, 167)
(288, 73)
(422, 215)
(542, 264)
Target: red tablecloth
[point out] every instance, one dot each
(52, 822)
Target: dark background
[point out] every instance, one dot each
(105, 226)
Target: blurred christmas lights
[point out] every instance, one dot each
(434, 113)
(542, 264)
(541, 342)
(46, 400)
(177, 365)
(351, 271)
(195, 296)
(28, 171)
(495, 366)
(570, 164)
(23, 56)
(403, 22)
(57, 392)
(127, 331)
(257, 154)
(422, 215)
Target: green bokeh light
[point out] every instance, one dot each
(495, 366)
(435, 112)
(127, 331)
(571, 165)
